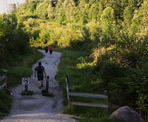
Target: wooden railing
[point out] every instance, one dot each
(3, 79)
(88, 95)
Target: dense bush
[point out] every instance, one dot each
(13, 40)
(5, 103)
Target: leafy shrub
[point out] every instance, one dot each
(110, 72)
(15, 75)
(5, 103)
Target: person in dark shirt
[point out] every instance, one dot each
(40, 72)
(46, 49)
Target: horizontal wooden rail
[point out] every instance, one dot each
(88, 95)
(89, 104)
(2, 86)
(4, 70)
(3, 79)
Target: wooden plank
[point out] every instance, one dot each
(3, 77)
(67, 88)
(2, 86)
(89, 104)
(88, 95)
(4, 70)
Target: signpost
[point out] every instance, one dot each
(25, 82)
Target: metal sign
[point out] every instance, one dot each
(25, 81)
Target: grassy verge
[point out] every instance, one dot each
(18, 68)
(82, 79)
(22, 67)
(5, 103)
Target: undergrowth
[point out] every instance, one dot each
(82, 79)
(17, 68)
(22, 67)
(5, 103)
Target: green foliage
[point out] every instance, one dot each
(142, 102)
(73, 64)
(17, 68)
(5, 103)
(139, 23)
(13, 40)
(15, 75)
(107, 21)
(41, 9)
(44, 36)
(27, 93)
(47, 93)
(21, 67)
(113, 36)
(128, 15)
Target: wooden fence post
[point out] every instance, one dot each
(87, 95)
(106, 100)
(26, 87)
(67, 88)
(47, 83)
(3, 77)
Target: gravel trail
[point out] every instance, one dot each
(38, 108)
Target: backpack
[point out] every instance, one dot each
(40, 69)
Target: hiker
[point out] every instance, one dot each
(50, 49)
(46, 49)
(40, 71)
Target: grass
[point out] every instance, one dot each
(1, 72)
(82, 79)
(22, 68)
(27, 93)
(47, 93)
(5, 103)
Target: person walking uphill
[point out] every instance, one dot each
(50, 49)
(46, 49)
(40, 71)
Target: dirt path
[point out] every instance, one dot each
(37, 108)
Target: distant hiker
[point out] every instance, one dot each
(40, 71)
(46, 49)
(50, 49)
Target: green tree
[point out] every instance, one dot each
(108, 21)
(41, 9)
(140, 20)
(128, 15)
(60, 15)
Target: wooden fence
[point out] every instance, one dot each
(3, 79)
(88, 95)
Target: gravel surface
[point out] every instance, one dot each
(38, 108)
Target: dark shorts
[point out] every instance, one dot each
(50, 51)
(46, 51)
(40, 77)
